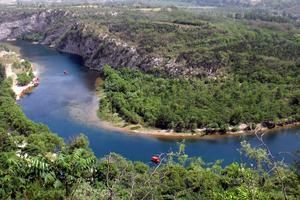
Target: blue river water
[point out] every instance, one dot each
(67, 105)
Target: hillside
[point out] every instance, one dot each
(245, 62)
(171, 41)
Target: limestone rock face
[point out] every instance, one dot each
(101, 49)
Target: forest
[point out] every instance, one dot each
(37, 164)
(188, 104)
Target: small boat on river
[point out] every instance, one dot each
(155, 159)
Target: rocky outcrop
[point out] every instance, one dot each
(24, 23)
(268, 124)
(100, 49)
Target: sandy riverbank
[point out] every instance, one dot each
(18, 90)
(168, 134)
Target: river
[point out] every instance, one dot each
(67, 105)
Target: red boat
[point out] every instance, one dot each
(155, 159)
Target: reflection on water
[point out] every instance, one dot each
(67, 104)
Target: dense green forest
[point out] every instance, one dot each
(187, 104)
(221, 67)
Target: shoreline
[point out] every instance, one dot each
(166, 134)
(19, 91)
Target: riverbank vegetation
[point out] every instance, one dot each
(24, 72)
(25, 78)
(188, 104)
(20, 71)
(37, 164)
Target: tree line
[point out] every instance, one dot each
(187, 104)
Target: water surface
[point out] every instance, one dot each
(66, 104)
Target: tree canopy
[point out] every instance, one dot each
(250, 96)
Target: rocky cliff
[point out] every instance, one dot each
(13, 26)
(100, 49)
(60, 31)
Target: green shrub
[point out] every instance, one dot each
(25, 78)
